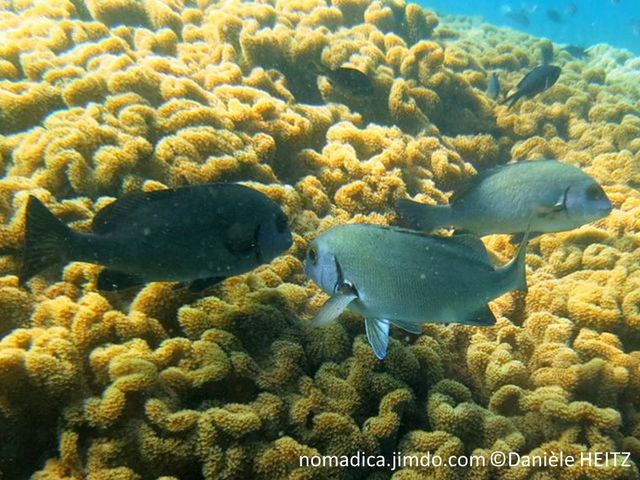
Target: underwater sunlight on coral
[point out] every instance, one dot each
(255, 336)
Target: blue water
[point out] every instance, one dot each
(595, 21)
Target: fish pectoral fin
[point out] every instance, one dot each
(378, 335)
(333, 308)
(241, 239)
(113, 280)
(545, 210)
(481, 317)
(408, 326)
(200, 284)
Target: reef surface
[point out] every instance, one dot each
(111, 96)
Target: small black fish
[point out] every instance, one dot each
(536, 81)
(351, 81)
(199, 235)
(575, 51)
(554, 15)
(493, 87)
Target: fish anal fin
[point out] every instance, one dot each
(475, 245)
(408, 326)
(517, 238)
(199, 284)
(481, 317)
(378, 335)
(114, 280)
(333, 308)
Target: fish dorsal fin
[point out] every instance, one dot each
(475, 245)
(114, 214)
(472, 182)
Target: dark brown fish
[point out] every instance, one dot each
(536, 81)
(351, 80)
(198, 235)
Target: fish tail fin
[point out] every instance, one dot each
(421, 216)
(517, 267)
(46, 240)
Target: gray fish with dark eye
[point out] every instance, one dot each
(198, 235)
(406, 278)
(536, 81)
(545, 195)
(493, 87)
(350, 80)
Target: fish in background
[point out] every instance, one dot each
(349, 80)
(518, 16)
(554, 16)
(536, 81)
(576, 51)
(426, 279)
(543, 196)
(493, 87)
(570, 9)
(198, 235)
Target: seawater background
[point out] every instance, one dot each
(596, 21)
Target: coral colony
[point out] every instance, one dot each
(104, 98)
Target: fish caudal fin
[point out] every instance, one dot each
(378, 335)
(46, 240)
(421, 216)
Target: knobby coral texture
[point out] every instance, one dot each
(111, 96)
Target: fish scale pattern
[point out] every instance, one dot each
(105, 97)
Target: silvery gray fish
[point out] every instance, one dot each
(536, 81)
(198, 235)
(546, 195)
(493, 87)
(404, 277)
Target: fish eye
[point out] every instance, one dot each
(312, 255)
(281, 223)
(595, 192)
